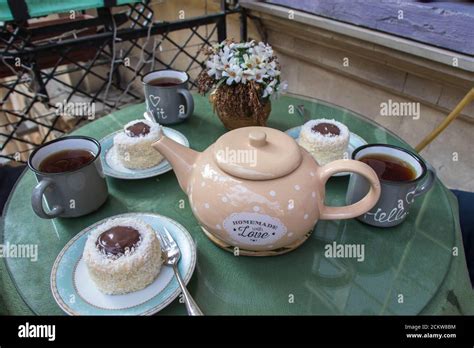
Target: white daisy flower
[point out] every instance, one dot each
(264, 51)
(272, 69)
(260, 75)
(226, 53)
(233, 73)
(249, 62)
(248, 75)
(269, 89)
(214, 67)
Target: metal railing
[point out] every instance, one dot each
(37, 62)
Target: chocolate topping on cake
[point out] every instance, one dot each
(117, 239)
(137, 129)
(326, 129)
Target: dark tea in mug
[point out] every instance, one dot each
(389, 168)
(165, 82)
(66, 161)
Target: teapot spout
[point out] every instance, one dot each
(181, 158)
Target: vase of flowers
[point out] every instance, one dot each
(241, 78)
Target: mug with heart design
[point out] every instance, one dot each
(167, 98)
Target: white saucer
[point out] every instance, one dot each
(113, 168)
(76, 293)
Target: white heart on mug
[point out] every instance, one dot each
(155, 100)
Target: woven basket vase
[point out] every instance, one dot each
(238, 119)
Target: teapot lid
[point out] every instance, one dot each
(257, 153)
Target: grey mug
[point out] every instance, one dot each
(72, 193)
(396, 197)
(167, 104)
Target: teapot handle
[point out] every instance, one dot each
(358, 208)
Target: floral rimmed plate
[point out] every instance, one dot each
(76, 293)
(354, 142)
(112, 167)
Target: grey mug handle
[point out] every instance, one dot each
(37, 201)
(189, 103)
(426, 185)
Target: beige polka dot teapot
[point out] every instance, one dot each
(255, 191)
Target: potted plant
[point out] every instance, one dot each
(241, 78)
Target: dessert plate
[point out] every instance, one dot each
(354, 142)
(76, 293)
(112, 166)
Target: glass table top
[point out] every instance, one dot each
(402, 270)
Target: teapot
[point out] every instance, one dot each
(256, 192)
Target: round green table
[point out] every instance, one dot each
(417, 267)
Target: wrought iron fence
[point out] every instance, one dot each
(48, 65)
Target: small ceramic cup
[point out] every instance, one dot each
(72, 193)
(170, 101)
(396, 197)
